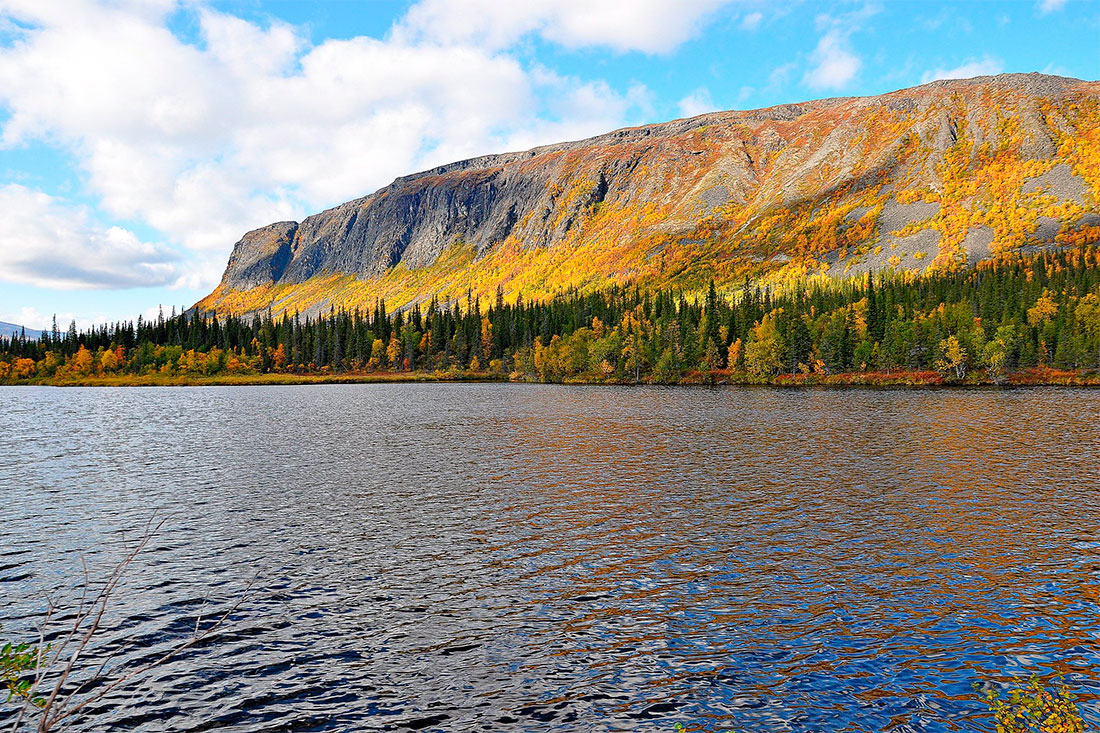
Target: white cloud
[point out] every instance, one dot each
(32, 318)
(1049, 6)
(834, 62)
(578, 108)
(48, 243)
(649, 26)
(780, 74)
(987, 66)
(253, 125)
(751, 21)
(697, 103)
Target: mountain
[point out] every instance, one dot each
(7, 330)
(938, 176)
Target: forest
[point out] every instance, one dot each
(1016, 319)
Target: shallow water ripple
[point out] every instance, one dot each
(511, 557)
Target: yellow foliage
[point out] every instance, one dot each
(1035, 709)
(1044, 310)
(83, 362)
(656, 240)
(23, 368)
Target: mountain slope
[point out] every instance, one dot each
(7, 330)
(938, 176)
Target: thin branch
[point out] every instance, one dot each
(63, 657)
(162, 659)
(56, 703)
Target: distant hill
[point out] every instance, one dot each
(940, 177)
(7, 330)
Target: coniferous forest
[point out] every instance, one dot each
(1025, 319)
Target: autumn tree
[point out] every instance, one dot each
(1043, 311)
(108, 361)
(764, 352)
(393, 352)
(83, 361)
(734, 354)
(377, 354)
(278, 358)
(952, 359)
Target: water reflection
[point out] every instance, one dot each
(469, 557)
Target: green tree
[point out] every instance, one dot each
(668, 369)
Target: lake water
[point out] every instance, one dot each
(514, 557)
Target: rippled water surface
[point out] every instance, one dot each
(511, 557)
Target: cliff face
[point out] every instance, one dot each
(261, 257)
(940, 175)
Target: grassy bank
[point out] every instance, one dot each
(1030, 377)
(226, 380)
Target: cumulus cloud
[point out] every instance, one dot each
(697, 103)
(32, 318)
(252, 124)
(780, 74)
(751, 21)
(576, 110)
(49, 243)
(987, 66)
(649, 26)
(834, 64)
(1049, 6)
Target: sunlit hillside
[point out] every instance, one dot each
(935, 177)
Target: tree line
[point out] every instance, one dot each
(1011, 314)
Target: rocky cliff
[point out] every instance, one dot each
(941, 175)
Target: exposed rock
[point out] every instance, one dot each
(1046, 229)
(856, 214)
(261, 256)
(917, 250)
(914, 252)
(1059, 181)
(977, 244)
(714, 197)
(896, 216)
(659, 182)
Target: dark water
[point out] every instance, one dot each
(508, 557)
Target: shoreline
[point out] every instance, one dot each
(896, 380)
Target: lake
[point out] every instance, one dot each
(466, 557)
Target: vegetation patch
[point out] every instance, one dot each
(1015, 320)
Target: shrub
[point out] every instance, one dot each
(1035, 708)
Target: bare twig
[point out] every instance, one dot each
(56, 703)
(195, 639)
(60, 702)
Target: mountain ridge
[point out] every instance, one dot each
(785, 111)
(924, 174)
(7, 330)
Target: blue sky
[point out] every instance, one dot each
(140, 138)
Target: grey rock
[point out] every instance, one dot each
(783, 156)
(1061, 182)
(261, 256)
(978, 244)
(1046, 229)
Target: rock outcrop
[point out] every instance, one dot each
(908, 180)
